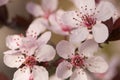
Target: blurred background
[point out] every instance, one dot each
(17, 12)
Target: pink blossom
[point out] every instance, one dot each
(79, 59)
(88, 19)
(50, 14)
(27, 65)
(27, 45)
(27, 52)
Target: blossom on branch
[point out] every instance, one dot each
(87, 21)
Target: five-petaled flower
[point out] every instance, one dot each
(49, 14)
(87, 21)
(79, 58)
(27, 52)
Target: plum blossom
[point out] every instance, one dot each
(79, 59)
(3, 2)
(27, 65)
(87, 21)
(26, 45)
(49, 14)
(27, 52)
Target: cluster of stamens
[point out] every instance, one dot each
(30, 61)
(77, 61)
(86, 19)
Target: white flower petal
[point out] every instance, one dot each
(83, 4)
(14, 60)
(71, 19)
(79, 74)
(13, 41)
(44, 38)
(22, 74)
(88, 48)
(52, 6)
(65, 49)
(45, 53)
(37, 27)
(100, 32)
(39, 73)
(34, 9)
(64, 70)
(105, 11)
(97, 65)
(3, 2)
(79, 35)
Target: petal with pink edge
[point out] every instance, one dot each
(64, 70)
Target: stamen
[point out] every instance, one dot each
(77, 61)
(30, 61)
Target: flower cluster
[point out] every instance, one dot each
(84, 28)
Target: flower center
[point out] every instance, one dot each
(86, 18)
(88, 21)
(77, 61)
(30, 61)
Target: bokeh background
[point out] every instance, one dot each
(110, 51)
